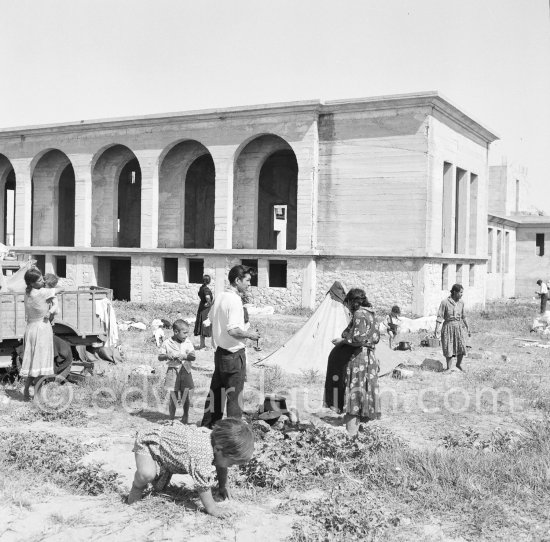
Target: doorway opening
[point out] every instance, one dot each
(115, 273)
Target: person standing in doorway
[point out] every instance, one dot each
(543, 294)
(229, 334)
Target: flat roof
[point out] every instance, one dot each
(415, 99)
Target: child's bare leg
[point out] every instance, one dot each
(186, 403)
(146, 470)
(202, 343)
(172, 404)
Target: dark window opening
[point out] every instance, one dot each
(277, 274)
(170, 269)
(40, 262)
(253, 265)
(61, 266)
(539, 251)
(196, 271)
(444, 276)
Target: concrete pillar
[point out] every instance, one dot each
(23, 201)
(223, 208)
(308, 188)
(449, 208)
(149, 164)
(474, 199)
(220, 280)
(49, 264)
(183, 271)
(309, 286)
(82, 165)
(463, 212)
(263, 273)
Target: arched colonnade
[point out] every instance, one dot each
(263, 171)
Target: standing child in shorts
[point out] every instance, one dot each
(392, 322)
(178, 351)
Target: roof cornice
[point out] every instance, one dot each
(431, 99)
(312, 107)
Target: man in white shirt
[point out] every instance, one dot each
(228, 334)
(543, 293)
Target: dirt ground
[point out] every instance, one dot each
(421, 409)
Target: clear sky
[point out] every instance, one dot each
(67, 60)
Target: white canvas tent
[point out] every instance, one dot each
(310, 346)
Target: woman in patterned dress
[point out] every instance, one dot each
(206, 297)
(351, 385)
(451, 317)
(38, 354)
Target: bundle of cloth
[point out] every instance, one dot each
(541, 324)
(413, 325)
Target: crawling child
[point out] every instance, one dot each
(178, 351)
(188, 449)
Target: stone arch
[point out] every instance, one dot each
(116, 198)
(186, 196)
(52, 217)
(265, 174)
(7, 201)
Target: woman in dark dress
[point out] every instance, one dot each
(206, 297)
(351, 385)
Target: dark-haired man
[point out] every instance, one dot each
(543, 294)
(228, 334)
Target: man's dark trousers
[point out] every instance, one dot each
(227, 384)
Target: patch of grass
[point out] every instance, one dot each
(58, 459)
(71, 416)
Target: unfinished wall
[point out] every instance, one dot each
(501, 266)
(172, 192)
(507, 185)
(246, 187)
(45, 197)
(372, 181)
(7, 178)
(386, 282)
(466, 159)
(105, 179)
(529, 266)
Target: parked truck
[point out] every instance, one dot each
(76, 322)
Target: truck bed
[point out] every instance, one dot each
(77, 308)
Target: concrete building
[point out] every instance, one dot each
(386, 193)
(518, 242)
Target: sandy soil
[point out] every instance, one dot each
(422, 423)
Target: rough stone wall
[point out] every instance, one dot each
(80, 271)
(434, 290)
(386, 282)
(262, 294)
